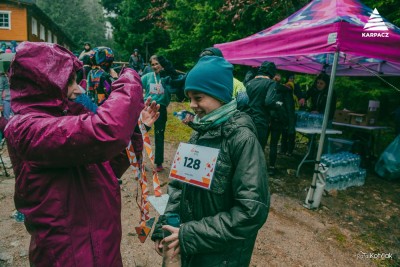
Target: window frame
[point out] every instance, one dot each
(42, 33)
(6, 12)
(49, 36)
(34, 26)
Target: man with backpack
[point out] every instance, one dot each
(136, 61)
(281, 103)
(257, 90)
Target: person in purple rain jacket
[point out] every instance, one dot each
(63, 157)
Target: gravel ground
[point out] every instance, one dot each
(347, 224)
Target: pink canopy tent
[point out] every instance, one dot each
(341, 37)
(307, 40)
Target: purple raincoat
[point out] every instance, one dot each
(61, 155)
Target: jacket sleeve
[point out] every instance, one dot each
(121, 162)
(249, 211)
(87, 138)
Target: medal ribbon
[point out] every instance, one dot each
(139, 171)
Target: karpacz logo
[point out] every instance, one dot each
(376, 26)
(375, 34)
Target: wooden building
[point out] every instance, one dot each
(22, 20)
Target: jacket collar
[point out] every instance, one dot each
(227, 128)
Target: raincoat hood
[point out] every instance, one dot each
(39, 77)
(267, 68)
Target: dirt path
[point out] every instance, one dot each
(292, 235)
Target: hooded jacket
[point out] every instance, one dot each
(319, 99)
(257, 89)
(220, 225)
(65, 185)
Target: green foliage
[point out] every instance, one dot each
(82, 20)
(387, 8)
(111, 5)
(132, 29)
(181, 29)
(192, 27)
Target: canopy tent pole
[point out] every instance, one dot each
(311, 197)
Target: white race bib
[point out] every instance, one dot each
(156, 89)
(194, 165)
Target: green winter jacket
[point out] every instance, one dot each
(220, 225)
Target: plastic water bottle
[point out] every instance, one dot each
(181, 115)
(18, 216)
(343, 170)
(361, 176)
(172, 219)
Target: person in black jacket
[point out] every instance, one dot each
(257, 89)
(281, 114)
(297, 101)
(219, 225)
(319, 94)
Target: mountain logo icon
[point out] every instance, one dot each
(375, 22)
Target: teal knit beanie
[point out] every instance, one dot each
(213, 76)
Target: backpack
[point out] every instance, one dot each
(95, 86)
(276, 104)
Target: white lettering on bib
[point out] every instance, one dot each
(194, 165)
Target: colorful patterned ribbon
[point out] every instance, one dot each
(139, 171)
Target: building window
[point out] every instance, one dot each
(49, 35)
(42, 32)
(54, 39)
(5, 19)
(34, 27)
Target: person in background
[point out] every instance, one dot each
(14, 45)
(297, 93)
(62, 156)
(281, 115)
(87, 50)
(136, 61)
(250, 74)
(257, 89)
(156, 85)
(239, 90)
(147, 69)
(220, 225)
(289, 132)
(3, 47)
(277, 78)
(5, 95)
(319, 94)
(84, 72)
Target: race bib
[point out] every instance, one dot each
(156, 89)
(194, 165)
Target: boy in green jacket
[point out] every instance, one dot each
(219, 224)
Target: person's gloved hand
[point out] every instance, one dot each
(169, 69)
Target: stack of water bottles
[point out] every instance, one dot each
(306, 119)
(343, 170)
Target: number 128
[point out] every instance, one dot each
(191, 163)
